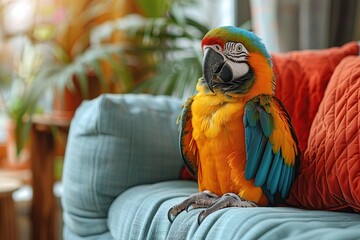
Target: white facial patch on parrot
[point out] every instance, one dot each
(235, 56)
(238, 69)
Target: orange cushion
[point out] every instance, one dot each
(329, 176)
(301, 80)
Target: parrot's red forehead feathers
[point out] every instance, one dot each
(212, 41)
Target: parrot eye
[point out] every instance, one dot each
(239, 48)
(217, 47)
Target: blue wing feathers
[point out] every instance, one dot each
(248, 131)
(254, 152)
(248, 135)
(272, 170)
(275, 173)
(284, 181)
(251, 117)
(265, 120)
(282, 178)
(266, 167)
(289, 181)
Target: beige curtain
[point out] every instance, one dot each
(305, 24)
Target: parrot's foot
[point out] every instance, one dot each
(203, 199)
(227, 200)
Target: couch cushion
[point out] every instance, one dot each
(329, 175)
(141, 213)
(115, 142)
(301, 80)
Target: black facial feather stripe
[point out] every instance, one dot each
(230, 46)
(237, 55)
(239, 60)
(239, 85)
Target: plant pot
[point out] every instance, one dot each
(3, 151)
(67, 100)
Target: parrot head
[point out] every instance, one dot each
(236, 61)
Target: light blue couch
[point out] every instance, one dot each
(121, 176)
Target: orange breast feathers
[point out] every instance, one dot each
(218, 131)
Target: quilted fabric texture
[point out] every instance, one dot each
(115, 142)
(301, 80)
(144, 216)
(330, 172)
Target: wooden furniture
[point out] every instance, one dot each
(8, 221)
(43, 149)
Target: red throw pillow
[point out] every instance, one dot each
(329, 176)
(301, 80)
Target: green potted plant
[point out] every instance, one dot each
(85, 52)
(71, 65)
(170, 37)
(76, 68)
(16, 99)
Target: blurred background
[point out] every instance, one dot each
(55, 53)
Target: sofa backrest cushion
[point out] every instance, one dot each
(116, 142)
(301, 80)
(330, 171)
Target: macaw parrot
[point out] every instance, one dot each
(236, 137)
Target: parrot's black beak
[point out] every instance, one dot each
(212, 64)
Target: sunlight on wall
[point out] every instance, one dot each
(215, 13)
(18, 16)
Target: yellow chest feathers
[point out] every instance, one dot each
(216, 115)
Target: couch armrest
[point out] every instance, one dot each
(116, 142)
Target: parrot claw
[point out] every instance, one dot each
(197, 200)
(227, 200)
(210, 201)
(171, 216)
(202, 200)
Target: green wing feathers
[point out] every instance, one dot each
(188, 147)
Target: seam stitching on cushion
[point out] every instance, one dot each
(131, 139)
(333, 108)
(333, 152)
(352, 80)
(317, 155)
(348, 82)
(346, 96)
(96, 153)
